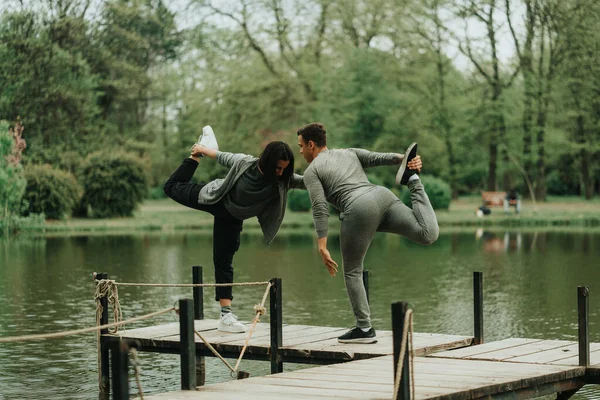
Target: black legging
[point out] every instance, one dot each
(226, 228)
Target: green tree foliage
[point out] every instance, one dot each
(113, 183)
(133, 38)
(298, 200)
(52, 89)
(50, 191)
(379, 74)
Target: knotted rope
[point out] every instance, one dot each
(408, 325)
(107, 288)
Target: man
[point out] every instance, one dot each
(338, 176)
(253, 187)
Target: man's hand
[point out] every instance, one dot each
(415, 163)
(198, 151)
(331, 265)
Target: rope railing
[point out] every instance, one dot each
(406, 342)
(108, 288)
(55, 335)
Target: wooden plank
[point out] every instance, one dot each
(574, 360)
(162, 331)
(566, 355)
(250, 388)
(300, 341)
(384, 346)
(517, 351)
(486, 348)
(440, 378)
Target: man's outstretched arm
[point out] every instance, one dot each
(373, 159)
(320, 212)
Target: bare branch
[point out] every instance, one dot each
(513, 76)
(244, 25)
(512, 30)
(321, 31)
(473, 10)
(468, 52)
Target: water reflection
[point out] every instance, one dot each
(499, 243)
(530, 283)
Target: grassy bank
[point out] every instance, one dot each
(167, 216)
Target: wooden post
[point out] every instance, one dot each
(399, 310)
(199, 314)
(276, 326)
(198, 292)
(478, 307)
(120, 365)
(188, 344)
(366, 283)
(583, 313)
(104, 350)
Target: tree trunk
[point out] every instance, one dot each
(588, 182)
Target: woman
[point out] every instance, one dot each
(253, 187)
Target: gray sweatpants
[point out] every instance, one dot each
(380, 211)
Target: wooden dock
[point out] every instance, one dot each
(446, 367)
(435, 379)
(301, 343)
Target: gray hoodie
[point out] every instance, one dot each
(272, 216)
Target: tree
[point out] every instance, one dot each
(52, 89)
(489, 69)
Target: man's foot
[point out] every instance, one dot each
(229, 323)
(356, 335)
(208, 139)
(404, 172)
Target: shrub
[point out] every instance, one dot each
(113, 183)
(438, 191)
(298, 200)
(157, 193)
(50, 191)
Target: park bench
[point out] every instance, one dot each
(496, 199)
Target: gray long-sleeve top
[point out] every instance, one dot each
(338, 176)
(272, 216)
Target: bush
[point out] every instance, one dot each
(157, 193)
(558, 184)
(298, 200)
(50, 191)
(113, 183)
(439, 193)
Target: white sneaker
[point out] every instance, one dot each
(208, 139)
(229, 323)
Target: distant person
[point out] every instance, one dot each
(253, 187)
(512, 199)
(338, 176)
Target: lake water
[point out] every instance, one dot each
(530, 282)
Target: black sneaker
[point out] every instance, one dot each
(356, 335)
(404, 172)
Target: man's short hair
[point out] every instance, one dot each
(315, 132)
